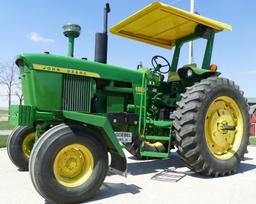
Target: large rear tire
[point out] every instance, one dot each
(212, 127)
(68, 164)
(19, 146)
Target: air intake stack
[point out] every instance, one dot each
(101, 40)
(71, 31)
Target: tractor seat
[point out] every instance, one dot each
(173, 76)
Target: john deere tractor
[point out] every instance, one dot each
(79, 114)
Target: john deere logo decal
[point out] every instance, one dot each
(65, 70)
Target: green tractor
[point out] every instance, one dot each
(79, 114)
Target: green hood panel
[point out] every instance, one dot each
(103, 71)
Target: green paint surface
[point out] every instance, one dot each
(59, 93)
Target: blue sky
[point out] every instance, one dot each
(31, 26)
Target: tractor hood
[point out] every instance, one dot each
(67, 65)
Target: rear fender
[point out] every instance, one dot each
(197, 73)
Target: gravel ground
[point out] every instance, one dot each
(3, 117)
(5, 132)
(156, 182)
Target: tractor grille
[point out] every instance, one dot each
(76, 93)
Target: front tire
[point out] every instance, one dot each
(19, 146)
(212, 127)
(68, 165)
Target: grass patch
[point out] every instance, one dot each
(4, 125)
(3, 112)
(252, 141)
(3, 139)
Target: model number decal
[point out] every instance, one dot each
(124, 137)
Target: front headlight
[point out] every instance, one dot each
(189, 73)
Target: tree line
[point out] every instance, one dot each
(10, 82)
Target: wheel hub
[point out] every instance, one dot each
(223, 127)
(73, 165)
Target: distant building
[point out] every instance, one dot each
(252, 112)
(253, 124)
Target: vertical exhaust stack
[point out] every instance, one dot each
(101, 40)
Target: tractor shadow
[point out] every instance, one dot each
(136, 168)
(141, 167)
(170, 170)
(244, 167)
(108, 190)
(173, 168)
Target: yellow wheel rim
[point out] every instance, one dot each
(154, 144)
(222, 113)
(73, 165)
(27, 144)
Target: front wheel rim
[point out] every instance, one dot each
(222, 113)
(28, 143)
(73, 165)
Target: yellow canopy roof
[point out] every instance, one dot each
(162, 25)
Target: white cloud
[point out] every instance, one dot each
(36, 37)
(175, 1)
(249, 72)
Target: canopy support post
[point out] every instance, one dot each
(208, 52)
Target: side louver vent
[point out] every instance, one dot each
(76, 93)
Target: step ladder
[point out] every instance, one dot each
(153, 153)
(157, 123)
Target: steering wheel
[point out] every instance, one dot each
(158, 62)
